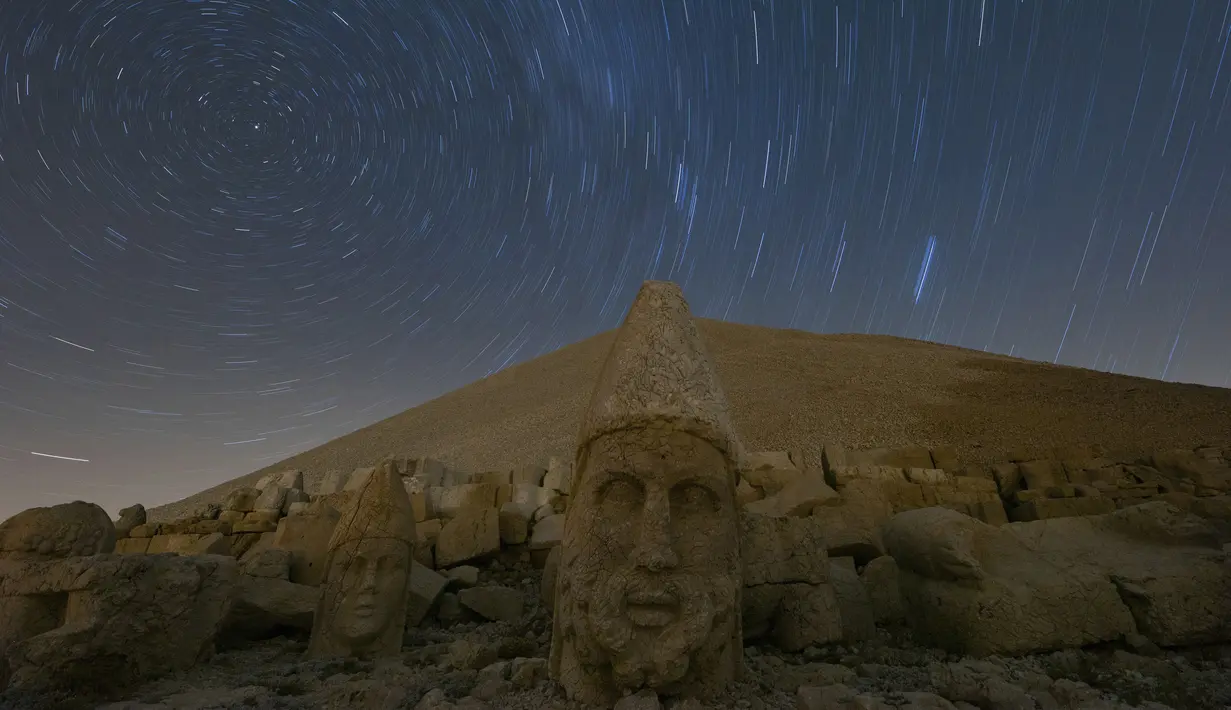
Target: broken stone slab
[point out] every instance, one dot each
(770, 471)
(854, 607)
(807, 614)
(930, 476)
(254, 526)
(146, 530)
(358, 478)
(473, 534)
(293, 497)
(116, 620)
(840, 476)
(130, 518)
(1046, 508)
(132, 546)
(782, 550)
(534, 497)
(529, 475)
(334, 481)
(212, 544)
(306, 537)
(270, 563)
(242, 499)
(494, 602)
(547, 532)
(74, 529)
(559, 476)
(271, 499)
(179, 544)
(464, 576)
(799, 496)
(880, 579)
(290, 479)
(262, 607)
(514, 524)
(426, 586)
(227, 516)
(448, 502)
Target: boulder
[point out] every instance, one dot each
(242, 499)
(74, 529)
(976, 589)
(473, 534)
(130, 517)
(1166, 566)
(100, 625)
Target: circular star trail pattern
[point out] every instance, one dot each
(232, 230)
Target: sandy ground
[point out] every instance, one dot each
(795, 390)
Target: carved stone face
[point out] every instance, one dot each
(371, 588)
(650, 574)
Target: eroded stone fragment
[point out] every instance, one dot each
(362, 608)
(76, 529)
(648, 593)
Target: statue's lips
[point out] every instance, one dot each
(651, 608)
(364, 608)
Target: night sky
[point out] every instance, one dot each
(234, 230)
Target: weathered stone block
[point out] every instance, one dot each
(426, 586)
(306, 538)
(285, 479)
(547, 532)
(1045, 508)
(132, 545)
(778, 550)
(242, 499)
(180, 544)
(473, 534)
(449, 502)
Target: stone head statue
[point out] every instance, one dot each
(648, 593)
(362, 609)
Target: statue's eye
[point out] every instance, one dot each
(692, 496)
(621, 489)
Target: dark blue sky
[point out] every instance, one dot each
(233, 230)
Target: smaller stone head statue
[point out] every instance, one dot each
(362, 610)
(648, 593)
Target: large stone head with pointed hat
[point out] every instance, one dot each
(362, 609)
(648, 594)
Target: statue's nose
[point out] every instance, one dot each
(655, 551)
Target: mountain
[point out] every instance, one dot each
(791, 389)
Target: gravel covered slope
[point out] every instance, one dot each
(792, 389)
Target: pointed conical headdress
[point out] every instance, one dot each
(658, 371)
(380, 509)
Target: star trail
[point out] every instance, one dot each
(232, 230)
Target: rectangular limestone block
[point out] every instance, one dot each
(1041, 474)
(132, 546)
(449, 502)
(1044, 508)
(418, 503)
(179, 543)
